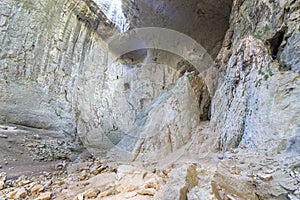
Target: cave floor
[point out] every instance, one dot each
(39, 165)
(15, 156)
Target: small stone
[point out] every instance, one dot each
(220, 157)
(97, 169)
(147, 191)
(80, 197)
(270, 171)
(151, 184)
(235, 170)
(83, 176)
(45, 196)
(3, 176)
(47, 185)
(41, 146)
(3, 136)
(91, 194)
(59, 166)
(36, 188)
(252, 165)
(106, 193)
(11, 128)
(130, 195)
(241, 145)
(21, 193)
(230, 197)
(37, 137)
(265, 177)
(12, 194)
(235, 151)
(233, 157)
(10, 183)
(270, 158)
(252, 175)
(23, 182)
(60, 183)
(3, 127)
(292, 197)
(2, 184)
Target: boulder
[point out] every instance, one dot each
(181, 181)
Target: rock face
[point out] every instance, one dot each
(256, 104)
(42, 51)
(56, 74)
(167, 123)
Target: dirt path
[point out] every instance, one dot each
(16, 159)
(22, 149)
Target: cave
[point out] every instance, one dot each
(149, 99)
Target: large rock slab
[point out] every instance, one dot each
(180, 182)
(165, 124)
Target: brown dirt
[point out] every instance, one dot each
(16, 159)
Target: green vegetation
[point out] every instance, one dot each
(293, 168)
(258, 83)
(267, 28)
(266, 75)
(266, 152)
(248, 111)
(261, 72)
(271, 73)
(260, 33)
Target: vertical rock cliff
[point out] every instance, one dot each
(43, 49)
(256, 104)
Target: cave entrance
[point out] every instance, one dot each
(204, 21)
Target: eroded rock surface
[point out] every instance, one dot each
(56, 72)
(256, 103)
(167, 123)
(261, 101)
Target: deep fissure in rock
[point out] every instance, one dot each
(276, 41)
